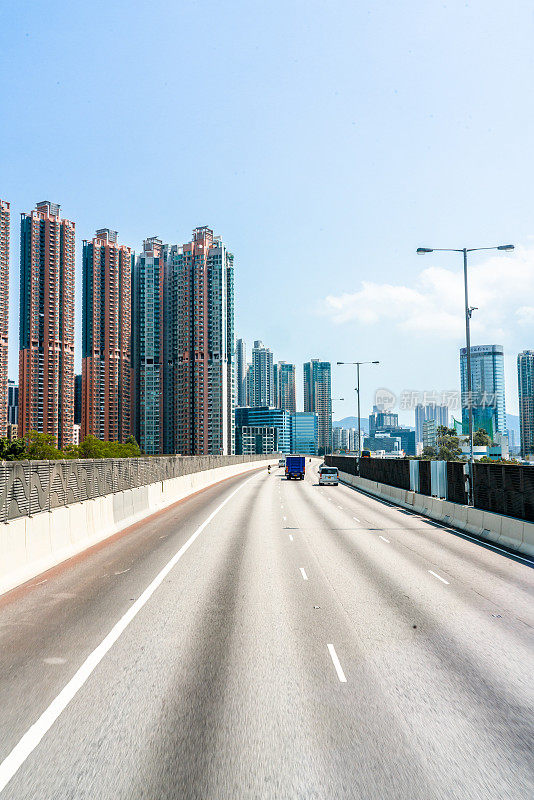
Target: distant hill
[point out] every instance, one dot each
(352, 422)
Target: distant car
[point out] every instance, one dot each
(329, 476)
(366, 454)
(281, 462)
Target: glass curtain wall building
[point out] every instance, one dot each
(487, 389)
(304, 430)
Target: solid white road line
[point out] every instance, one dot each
(435, 574)
(356, 518)
(290, 538)
(303, 573)
(337, 665)
(16, 758)
(384, 539)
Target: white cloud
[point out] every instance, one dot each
(434, 305)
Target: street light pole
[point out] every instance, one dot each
(359, 423)
(468, 311)
(358, 364)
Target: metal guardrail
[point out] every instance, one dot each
(30, 487)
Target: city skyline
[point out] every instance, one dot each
(402, 160)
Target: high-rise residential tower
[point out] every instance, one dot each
(46, 357)
(199, 347)
(106, 331)
(262, 376)
(525, 379)
(241, 372)
(285, 397)
(487, 389)
(5, 219)
(147, 347)
(318, 398)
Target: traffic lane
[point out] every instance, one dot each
(475, 605)
(230, 692)
(104, 742)
(456, 699)
(512, 583)
(50, 625)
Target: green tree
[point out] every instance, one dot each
(41, 446)
(480, 437)
(448, 444)
(12, 450)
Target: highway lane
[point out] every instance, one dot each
(310, 643)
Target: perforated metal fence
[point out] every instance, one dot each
(30, 487)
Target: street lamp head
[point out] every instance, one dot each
(340, 362)
(422, 250)
(506, 247)
(375, 362)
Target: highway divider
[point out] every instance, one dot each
(516, 534)
(30, 545)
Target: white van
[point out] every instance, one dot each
(281, 462)
(329, 476)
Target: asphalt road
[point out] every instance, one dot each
(307, 642)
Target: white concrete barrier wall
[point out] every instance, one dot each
(508, 531)
(31, 545)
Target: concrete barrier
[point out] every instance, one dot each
(496, 528)
(32, 545)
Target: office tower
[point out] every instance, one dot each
(525, 380)
(262, 429)
(199, 347)
(241, 372)
(78, 400)
(147, 347)
(12, 403)
(318, 398)
(5, 220)
(285, 394)
(106, 332)
(487, 389)
(304, 430)
(262, 376)
(46, 357)
(429, 411)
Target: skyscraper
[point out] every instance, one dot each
(525, 379)
(429, 411)
(487, 389)
(5, 217)
(318, 398)
(199, 347)
(46, 357)
(241, 372)
(106, 331)
(262, 376)
(147, 347)
(12, 403)
(78, 400)
(285, 397)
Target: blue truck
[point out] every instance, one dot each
(295, 467)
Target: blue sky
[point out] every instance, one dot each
(324, 141)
